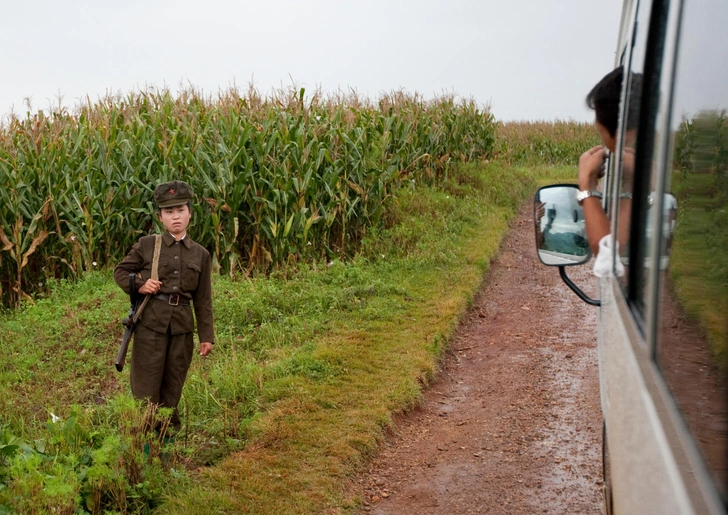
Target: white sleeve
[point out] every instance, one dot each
(604, 265)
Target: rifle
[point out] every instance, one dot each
(129, 323)
(138, 302)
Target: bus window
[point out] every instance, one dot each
(631, 125)
(692, 331)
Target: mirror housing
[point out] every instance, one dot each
(559, 224)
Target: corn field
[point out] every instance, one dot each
(549, 143)
(277, 178)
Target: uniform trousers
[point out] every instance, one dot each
(159, 365)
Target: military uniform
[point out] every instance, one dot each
(163, 339)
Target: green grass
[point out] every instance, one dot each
(560, 174)
(309, 366)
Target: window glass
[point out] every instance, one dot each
(630, 127)
(692, 334)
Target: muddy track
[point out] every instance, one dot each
(513, 424)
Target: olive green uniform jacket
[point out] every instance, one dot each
(184, 269)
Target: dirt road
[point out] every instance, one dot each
(513, 425)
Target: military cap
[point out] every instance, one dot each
(173, 193)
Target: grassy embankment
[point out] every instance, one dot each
(309, 366)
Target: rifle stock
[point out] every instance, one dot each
(128, 322)
(124, 347)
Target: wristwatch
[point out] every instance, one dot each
(582, 194)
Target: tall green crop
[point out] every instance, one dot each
(550, 143)
(281, 178)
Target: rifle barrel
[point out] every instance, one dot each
(128, 324)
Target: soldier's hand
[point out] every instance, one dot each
(205, 348)
(151, 287)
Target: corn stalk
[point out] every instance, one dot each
(278, 179)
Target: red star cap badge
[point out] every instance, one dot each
(171, 191)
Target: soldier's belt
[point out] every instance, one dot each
(175, 299)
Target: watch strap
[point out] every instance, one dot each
(584, 194)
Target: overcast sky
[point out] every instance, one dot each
(528, 59)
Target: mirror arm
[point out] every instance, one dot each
(575, 288)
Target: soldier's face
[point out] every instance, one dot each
(176, 219)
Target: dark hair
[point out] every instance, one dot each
(604, 99)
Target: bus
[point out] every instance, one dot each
(663, 309)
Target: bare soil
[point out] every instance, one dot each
(513, 423)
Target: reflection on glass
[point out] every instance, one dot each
(668, 218)
(692, 346)
(560, 230)
(631, 127)
(627, 170)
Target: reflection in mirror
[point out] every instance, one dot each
(559, 223)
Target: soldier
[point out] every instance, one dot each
(163, 341)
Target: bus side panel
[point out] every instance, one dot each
(645, 478)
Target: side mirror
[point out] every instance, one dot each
(559, 222)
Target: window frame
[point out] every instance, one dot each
(634, 292)
(645, 159)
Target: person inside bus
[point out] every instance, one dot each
(604, 99)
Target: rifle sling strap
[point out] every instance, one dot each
(155, 274)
